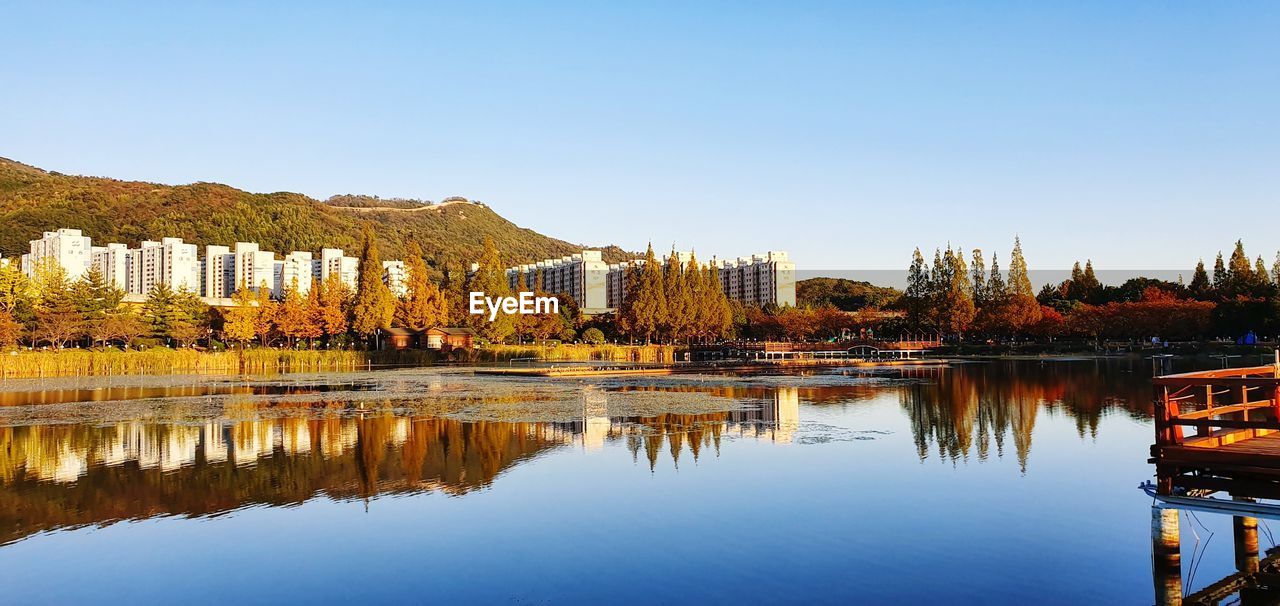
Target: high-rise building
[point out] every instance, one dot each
(112, 262)
(254, 268)
(219, 272)
(146, 267)
(395, 277)
(583, 276)
(760, 279)
(296, 271)
(332, 261)
(180, 266)
(69, 248)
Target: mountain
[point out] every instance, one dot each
(450, 233)
(848, 295)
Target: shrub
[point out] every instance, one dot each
(593, 336)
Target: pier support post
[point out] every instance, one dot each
(1166, 556)
(1245, 530)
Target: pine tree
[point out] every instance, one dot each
(1261, 279)
(159, 311)
(57, 321)
(374, 304)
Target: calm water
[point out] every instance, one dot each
(978, 483)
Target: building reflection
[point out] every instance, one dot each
(66, 475)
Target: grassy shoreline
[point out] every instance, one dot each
(108, 362)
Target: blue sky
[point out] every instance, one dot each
(1142, 135)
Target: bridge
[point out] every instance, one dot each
(852, 349)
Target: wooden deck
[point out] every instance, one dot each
(1218, 430)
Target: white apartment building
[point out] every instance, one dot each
(180, 265)
(583, 276)
(760, 279)
(332, 261)
(295, 271)
(69, 248)
(219, 272)
(113, 262)
(395, 277)
(145, 267)
(254, 268)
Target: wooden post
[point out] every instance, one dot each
(1245, 530)
(1208, 403)
(1166, 556)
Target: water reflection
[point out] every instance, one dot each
(60, 475)
(959, 412)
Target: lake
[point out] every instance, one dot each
(1000, 482)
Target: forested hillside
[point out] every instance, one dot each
(109, 210)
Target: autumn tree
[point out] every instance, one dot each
(423, 305)
(332, 312)
(374, 304)
(650, 302)
(490, 278)
(1022, 309)
(264, 321)
(242, 318)
(293, 318)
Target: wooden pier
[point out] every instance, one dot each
(1218, 430)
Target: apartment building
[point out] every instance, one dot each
(761, 280)
(254, 268)
(69, 248)
(113, 263)
(219, 272)
(583, 276)
(333, 261)
(395, 277)
(296, 271)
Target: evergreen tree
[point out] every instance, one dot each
(978, 277)
(191, 318)
(374, 304)
(1200, 287)
(1090, 286)
(1261, 279)
(916, 295)
(57, 321)
(1220, 276)
(159, 311)
(721, 321)
(94, 299)
(700, 303)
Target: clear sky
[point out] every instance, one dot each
(1142, 135)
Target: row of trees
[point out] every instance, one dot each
(673, 302)
(965, 300)
(953, 297)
